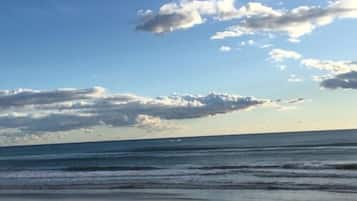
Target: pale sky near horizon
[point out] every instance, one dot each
(91, 70)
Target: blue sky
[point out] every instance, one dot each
(49, 45)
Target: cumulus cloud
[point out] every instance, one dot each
(279, 55)
(294, 23)
(33, 111)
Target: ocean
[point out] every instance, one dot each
(302, 166)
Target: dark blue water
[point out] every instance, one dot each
(291, 166)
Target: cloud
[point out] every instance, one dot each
(151, 123)
(335, 67)
(340, 74)
(330, 66)
(252, 9)
(294, 78)
(248, 42)
(287, 105)
(279, 55)
(33, 111)
(253, 17)
(320, 78)
(343, 81)
(184, 14)
(23, 97)
(169, 21)
(225, 49)
(294, 23)
(266, 46)
(296, 101)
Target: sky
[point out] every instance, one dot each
(90, 70)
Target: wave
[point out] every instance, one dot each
(346, 166)
(290, 166)
(110, 168)
(157, 185)
(155, 152)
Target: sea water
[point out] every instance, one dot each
(289, 166)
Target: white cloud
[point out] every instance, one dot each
(184, 14)
(225, 48)
(232, 32)
(330, 66)
(253, 17)
(320, 78)
(335, 67)
(339, 73)
(247, 43)
(279, 55)
(266, 46)
(151, 123)
(252, 9)
(294, 23)
(294, 40)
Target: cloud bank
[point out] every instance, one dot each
(34, 111)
